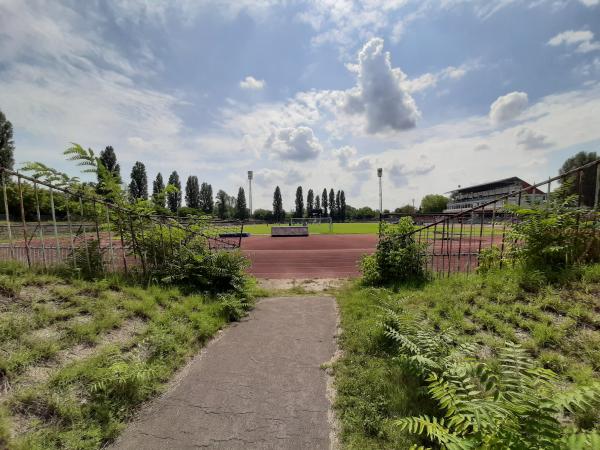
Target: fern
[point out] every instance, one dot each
(518, 407)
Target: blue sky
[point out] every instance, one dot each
(317, 93)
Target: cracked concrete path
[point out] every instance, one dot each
(259, 385)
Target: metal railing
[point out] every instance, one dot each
(454, 241)
(44, 225)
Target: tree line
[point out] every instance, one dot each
(199, 198)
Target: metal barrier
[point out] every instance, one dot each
(44, 224)
(454, 241)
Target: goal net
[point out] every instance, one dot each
(312, 221)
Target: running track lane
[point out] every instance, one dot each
(316, 256)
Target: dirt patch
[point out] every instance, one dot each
(301, 285)
(42, 373)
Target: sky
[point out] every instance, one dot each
(318, 93)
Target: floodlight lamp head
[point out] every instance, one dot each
(250, 174)
(379, 172)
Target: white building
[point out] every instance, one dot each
(462, 199)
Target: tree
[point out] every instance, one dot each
(433, 203)
(174, 197)
(7, 144)
(299, 202)
(222, 198)
(263, 214)
(278, 213)
(324, 203)
(138, 187)
(332, 210)
(406, 209)
(241, 211)
(207, 204)
(588, 182)
(317, 203)
(342, 206)
(338, 206)
(158, 187)
(310, 203)
(192, 192)
(109, 161)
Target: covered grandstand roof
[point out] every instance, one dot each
(494, 185)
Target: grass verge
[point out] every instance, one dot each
(558, 325)
(78, 358)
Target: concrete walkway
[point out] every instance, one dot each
(259, 385)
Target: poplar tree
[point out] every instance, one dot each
(324, 202)
(174, 198)
(7, 144)
(338, 206)
(192, 192)
(109, 161)
(138, 187)
(241, 211)
(158, 186)
(222, 204)
(310, 203)
(331, 204)
(278, 213)
(299, 202)
(342, 206)
(318, 203)
(207, 204)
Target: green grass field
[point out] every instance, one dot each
(373, 228)
(338, 228)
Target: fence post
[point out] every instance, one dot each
(597, 191)
(7, 214)
(39, 221)
(24, 222)
(52, 210)
(85, 242)
(71, 239)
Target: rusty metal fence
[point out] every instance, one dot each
(44, 225)
(454, 242)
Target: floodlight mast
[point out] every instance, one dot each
(379, 175)
(250, 176)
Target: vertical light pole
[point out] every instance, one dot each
(250, 176)
(379, 175)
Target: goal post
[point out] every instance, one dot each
(312, 221)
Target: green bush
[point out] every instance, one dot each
(205, 271)
(398, 258)
(551, 239)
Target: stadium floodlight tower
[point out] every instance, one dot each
(250, 176)
(379, 175)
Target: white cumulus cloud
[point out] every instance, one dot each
(583, 40)
(380, 94)
(344, 156)
(252, 83)
(508, 107)
(296, 144)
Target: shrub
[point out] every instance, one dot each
(88, 259)
(552, 239)
(202, 270)
(398, 258)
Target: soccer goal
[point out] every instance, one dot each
(312, 220)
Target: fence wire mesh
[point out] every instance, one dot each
(43, 225)
(454, 241)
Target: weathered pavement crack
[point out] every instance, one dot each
(260, 385)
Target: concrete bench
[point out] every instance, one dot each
(289, 231)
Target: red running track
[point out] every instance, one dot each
(316, 256)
